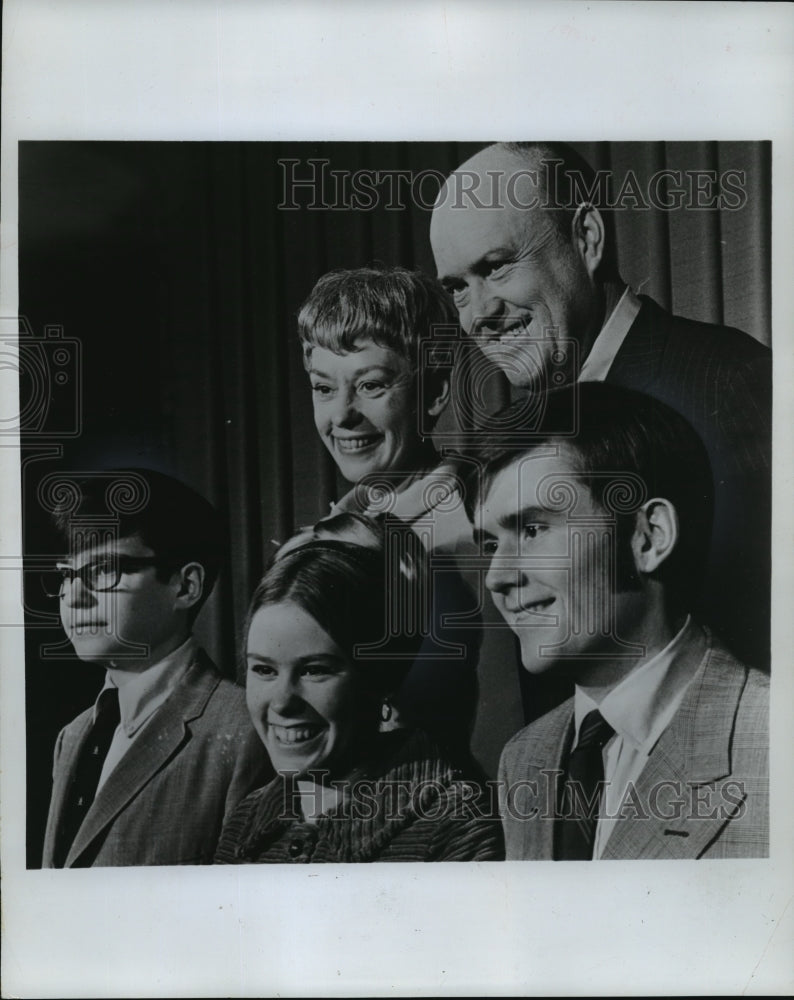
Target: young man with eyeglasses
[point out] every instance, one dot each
(147, 775)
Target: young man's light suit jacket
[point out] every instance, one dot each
(714, 756)
(166, 800)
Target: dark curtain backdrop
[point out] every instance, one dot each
(176, 271)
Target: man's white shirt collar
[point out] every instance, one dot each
(609, 341)
(641, 706)
(140, 695)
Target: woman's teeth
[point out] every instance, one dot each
(294, 734)
(355, 444)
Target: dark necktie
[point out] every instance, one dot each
(86, 775)
(574, 834)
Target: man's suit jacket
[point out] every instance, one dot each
(720, 380)
(166, 800)
(703, 793)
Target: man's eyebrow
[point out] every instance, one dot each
(479, 262)
(93, 556)
(76, 561)
(513, 520)
(505, 251)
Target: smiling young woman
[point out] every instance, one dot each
(324, 659)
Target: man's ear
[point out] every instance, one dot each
(655, 534)
(438, 397)
(589, 236)
(191, 585)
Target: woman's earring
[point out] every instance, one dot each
(385, 710)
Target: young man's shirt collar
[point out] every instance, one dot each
(140, 695)
(641, 705)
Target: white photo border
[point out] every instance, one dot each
(232, 69)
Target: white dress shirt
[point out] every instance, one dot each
(140, 695)
(639, 708)
(609, 341)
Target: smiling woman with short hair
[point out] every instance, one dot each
(374, 405)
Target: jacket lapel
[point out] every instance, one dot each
(682, 819)
(545, 766)
(67, 762)
(157, 743)
(639, 357)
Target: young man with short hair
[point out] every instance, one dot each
(147, 775)
(598, 541)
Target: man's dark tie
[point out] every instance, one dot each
(574, 834)
(86, 775)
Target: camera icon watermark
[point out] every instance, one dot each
(47, 370)
(536, 365)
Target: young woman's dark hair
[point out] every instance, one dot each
(368, 599)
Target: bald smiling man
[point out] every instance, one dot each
(531, 265)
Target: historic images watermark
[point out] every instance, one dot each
(365, 799)
(312, 184)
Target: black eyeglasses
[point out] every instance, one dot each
(99, 576)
